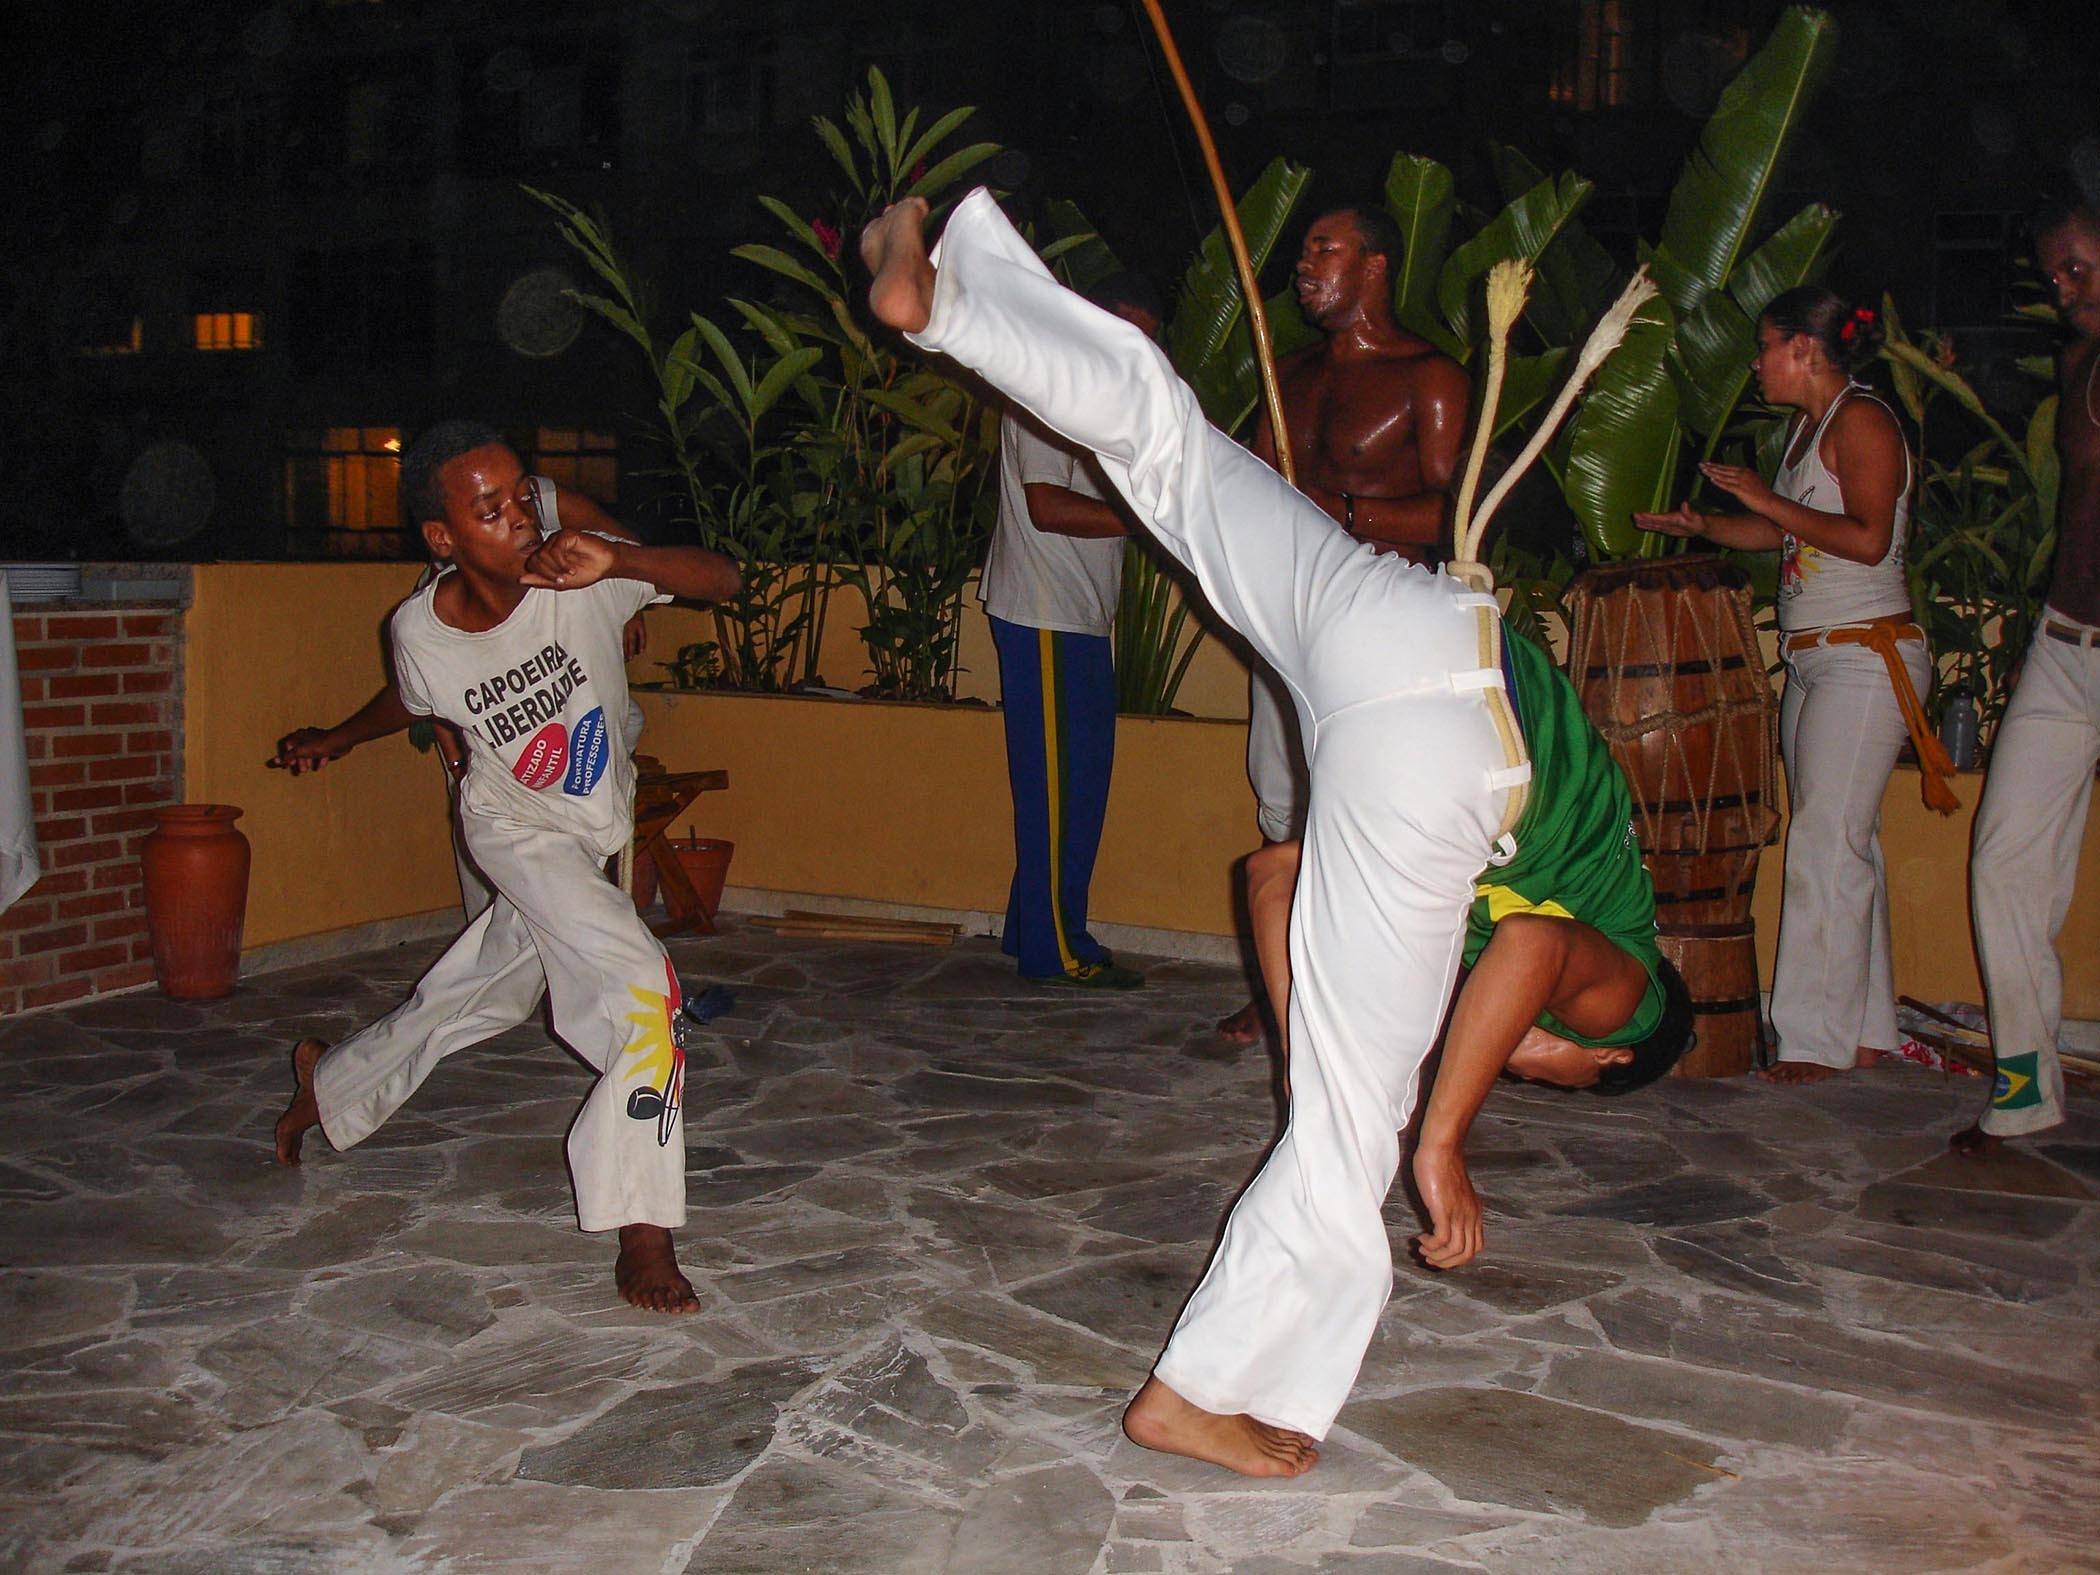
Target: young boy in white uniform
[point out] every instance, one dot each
(518, 645)
(1418, 777)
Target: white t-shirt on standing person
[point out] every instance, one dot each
(1037, 578)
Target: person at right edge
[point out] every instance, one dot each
(1838, 512)
(2031, 823)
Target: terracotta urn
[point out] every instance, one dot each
(196, 867)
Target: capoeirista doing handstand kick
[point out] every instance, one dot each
(1461, 809)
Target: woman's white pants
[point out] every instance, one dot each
(1840, 728)
(1388, 666)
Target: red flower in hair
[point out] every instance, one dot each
(1862, 318)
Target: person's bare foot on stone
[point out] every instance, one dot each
(894, 248)
(1245, 1026)
(1796, 1073)
(302, 1113)
(1160, 1419)
(1974, 1143)
(647, 1272)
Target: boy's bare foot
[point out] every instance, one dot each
(1243, 1027)
(647, 1272)
(894, 248)
(302, 1112)
(1975, 1143)
(1160, 1419)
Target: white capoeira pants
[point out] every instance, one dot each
(556, 925)
(1275, 760)
(1833, 988)
(2024, 864)
(1394, 673)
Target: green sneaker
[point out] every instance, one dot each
(1098, 976)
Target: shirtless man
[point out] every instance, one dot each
(2032, 818)
(1461, 797)
(1376, 420)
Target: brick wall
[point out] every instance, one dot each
(101, 708)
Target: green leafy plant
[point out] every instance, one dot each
(1983, 528)
(740, 478)
(897, 456)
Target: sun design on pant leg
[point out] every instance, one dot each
(655, 1058)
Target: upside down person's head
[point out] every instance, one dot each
(1611, 1069)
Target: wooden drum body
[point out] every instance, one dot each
(1666, 661)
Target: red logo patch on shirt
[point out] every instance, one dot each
(544, 758)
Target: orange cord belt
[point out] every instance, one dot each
(1935, 770)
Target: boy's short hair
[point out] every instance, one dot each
(2060, 208)
(1661, 1050)
(434, 449)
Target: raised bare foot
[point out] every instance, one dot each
(1160, 1419)
(1975, 1143)
(302, 1112)
(894, 248)
(1796, 1073)
(647, 1272)
(1243, 1027)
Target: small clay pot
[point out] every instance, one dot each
(196, 867)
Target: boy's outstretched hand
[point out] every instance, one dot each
(569, 560)
(308, 749)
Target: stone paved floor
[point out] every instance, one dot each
(940, 1223)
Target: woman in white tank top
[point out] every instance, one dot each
(1838, 513)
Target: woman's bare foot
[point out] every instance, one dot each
(1243, 1027)
(894, 248)
(647, 1272)
(1974, 1143)
(1160, 1419)
(302, 1112)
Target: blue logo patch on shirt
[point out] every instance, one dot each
(587, 754)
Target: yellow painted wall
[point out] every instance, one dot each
(269, 647)
(904, 804)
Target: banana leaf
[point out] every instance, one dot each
(1288, 331)
(1529, 380)
(1208, 311)
(1622, 445)
(1714, 208)
(1717, 339)
(1575, 273)
(1091, 259)
(2044, 466)
(1418, 195)
(1523, 229)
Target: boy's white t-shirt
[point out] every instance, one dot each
(541, 700)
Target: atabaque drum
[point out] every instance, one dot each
(1666, 660)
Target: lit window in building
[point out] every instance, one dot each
(579, 461)
(228, 330)
(342, 491)
(1597, 71)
